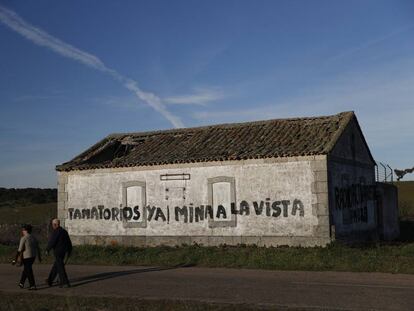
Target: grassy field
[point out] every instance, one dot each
(396, 258)
(35, 214)
(28, 301)
(29, 205)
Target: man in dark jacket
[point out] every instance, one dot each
(61, 244)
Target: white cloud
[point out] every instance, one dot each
(200, 96)
(128, 102)
(154, 101)
(42, 38)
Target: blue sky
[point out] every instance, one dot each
(72, 72)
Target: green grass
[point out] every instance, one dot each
(397, 258)
(31, 213)
(32, 301)
(28, 205)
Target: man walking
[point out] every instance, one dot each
(61, 244)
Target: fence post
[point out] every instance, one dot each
(385, 172)
(392, 175)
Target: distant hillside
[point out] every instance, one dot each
(27, 196)
(29, 205)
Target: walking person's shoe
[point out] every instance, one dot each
(67, 285)
(21, 285)
(32, 287)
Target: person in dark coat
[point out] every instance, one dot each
(61, 244)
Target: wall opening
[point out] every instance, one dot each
(134, 198)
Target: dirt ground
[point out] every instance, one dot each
(308, 290)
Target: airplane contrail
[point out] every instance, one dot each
(348, 52)
(42, 38)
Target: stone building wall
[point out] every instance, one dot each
(264, 202)
(353, 207)
(353, 201)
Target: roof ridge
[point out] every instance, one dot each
(244, 140)
(225, 125)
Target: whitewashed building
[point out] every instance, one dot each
(302, 181)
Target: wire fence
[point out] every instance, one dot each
(383, 172)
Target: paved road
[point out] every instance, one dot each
(318, 290)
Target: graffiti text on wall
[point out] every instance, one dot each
(191, 213)
(352, 201)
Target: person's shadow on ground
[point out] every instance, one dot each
(75, 282)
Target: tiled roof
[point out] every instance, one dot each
(251, 140)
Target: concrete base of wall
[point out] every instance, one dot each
(357, 237)
(142, 241)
